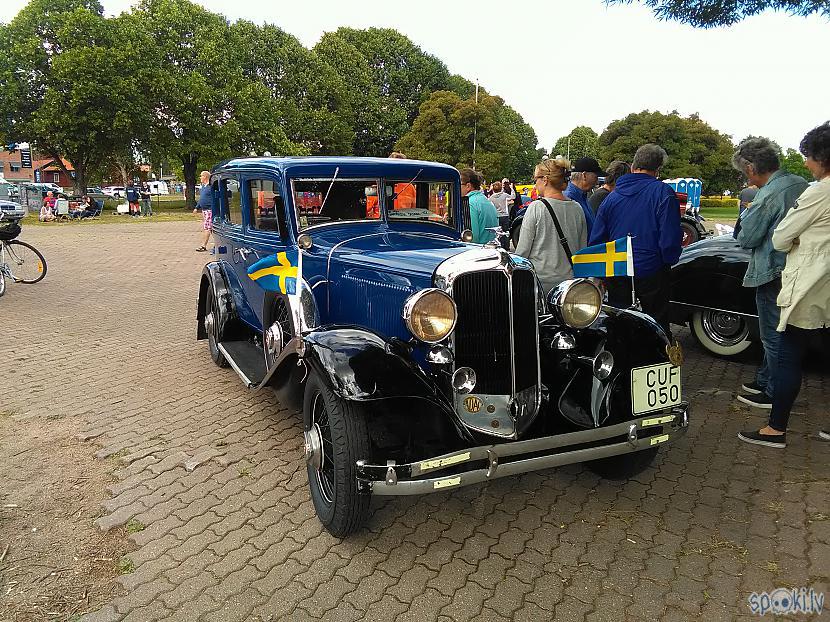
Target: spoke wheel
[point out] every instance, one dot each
(336, 438)
(720, 332)
(25, 262)
(213, 328)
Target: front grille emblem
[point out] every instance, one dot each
(472, 404)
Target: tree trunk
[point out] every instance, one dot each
(189, 162)
(77, 163)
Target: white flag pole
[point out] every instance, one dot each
(297, 292)
(629, 267)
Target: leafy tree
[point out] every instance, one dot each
(310, 97)
(204, 106)
(67, 88)
(694, 148)
(444, 128)
(582, 143)
(377, 121)
(793, 162)
(712, 13)
(519, 160)
(401, 70)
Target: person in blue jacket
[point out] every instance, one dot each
(647, 209)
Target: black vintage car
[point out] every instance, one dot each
(420, 362)
(708, 295)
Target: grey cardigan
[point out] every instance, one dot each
(539, 242)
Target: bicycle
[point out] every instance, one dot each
(19, 261)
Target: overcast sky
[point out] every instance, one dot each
(564, 63)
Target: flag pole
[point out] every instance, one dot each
(629, 265)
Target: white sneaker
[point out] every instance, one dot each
(824, 435)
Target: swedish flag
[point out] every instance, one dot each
(615, 258)
(277, 273)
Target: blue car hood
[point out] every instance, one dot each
(411, 254)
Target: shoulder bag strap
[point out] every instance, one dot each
(562, 239)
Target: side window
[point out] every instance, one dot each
(267, 208)
(231, 201)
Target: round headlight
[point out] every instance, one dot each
(578, 302)
(430, 315)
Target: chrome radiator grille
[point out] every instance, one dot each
(489, 304)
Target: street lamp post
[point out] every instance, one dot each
(475, 127)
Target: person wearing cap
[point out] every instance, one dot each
(584, 176)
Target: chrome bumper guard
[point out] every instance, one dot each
(656, 428)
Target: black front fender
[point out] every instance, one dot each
(359, 365)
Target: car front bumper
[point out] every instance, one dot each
(652, 430)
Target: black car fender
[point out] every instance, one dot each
(361, 366)
(213, 276)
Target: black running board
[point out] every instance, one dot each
(245, 359)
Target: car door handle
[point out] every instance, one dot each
(244, 252)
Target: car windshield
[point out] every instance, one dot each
(420, 201)
(320, 201)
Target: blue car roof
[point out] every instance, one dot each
(324, 166)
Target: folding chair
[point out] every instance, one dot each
(62, 209)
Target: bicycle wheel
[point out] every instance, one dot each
(25, 262)
(2, 283)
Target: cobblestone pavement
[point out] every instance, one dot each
(216, 474)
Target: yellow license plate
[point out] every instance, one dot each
(654, 387)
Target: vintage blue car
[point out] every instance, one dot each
(421, 362)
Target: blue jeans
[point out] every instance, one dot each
(788, 374)
(768, 315)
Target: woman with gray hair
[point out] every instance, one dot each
(757, 159)
(804, 235)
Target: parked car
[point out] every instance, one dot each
(708, 295)
(115, 192)
(420, 362)
(97, 193)
(8, 190)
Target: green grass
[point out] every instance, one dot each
(720, 213)
(126, 565)
(111, 218)
(134, 526)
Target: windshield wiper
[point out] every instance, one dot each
(411, 181)
(326, 198)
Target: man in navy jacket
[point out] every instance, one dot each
(647, 209)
